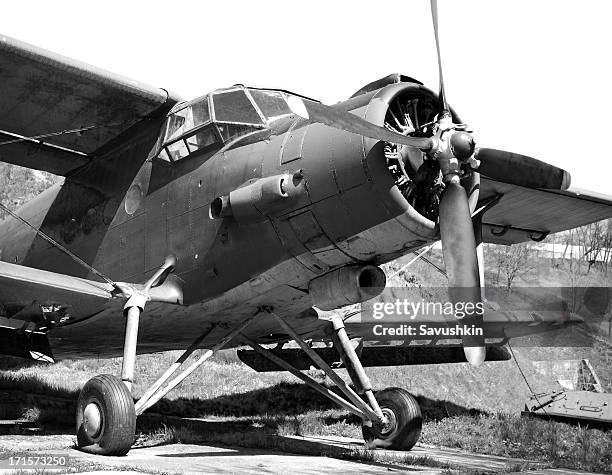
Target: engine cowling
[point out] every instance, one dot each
(411, 109)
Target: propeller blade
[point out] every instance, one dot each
(339, 119)
(434, 18)
(460, 259)
(475, 355)
(516, 169)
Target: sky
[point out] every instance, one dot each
(532, 77)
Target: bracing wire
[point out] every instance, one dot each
(67, 132)
(56, 244)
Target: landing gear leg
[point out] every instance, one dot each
(106, 417)
(129, 347)
(398, 426)
(392, 419)
(355, 369)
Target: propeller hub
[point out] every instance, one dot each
(462, 145)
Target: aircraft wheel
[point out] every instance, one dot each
(404, 417)
(106, 418)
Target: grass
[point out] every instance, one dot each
(464, 407)
(557, 443)
(276, 404)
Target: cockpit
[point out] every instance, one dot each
(207, 123)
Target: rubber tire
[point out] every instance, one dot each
(118, 416)
(409, 421)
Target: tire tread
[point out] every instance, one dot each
(119, 415)
(409, 418)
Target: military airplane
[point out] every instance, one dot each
(267, 211)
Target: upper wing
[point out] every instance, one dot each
(522, 214)
(44, 93)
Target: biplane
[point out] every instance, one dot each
(246, 216)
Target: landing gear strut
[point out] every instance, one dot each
(106, 413)
(106, 416)
(392, 419)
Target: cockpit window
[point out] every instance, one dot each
(188, 130)
(201, 114)
(206, 123)
(272, 104)
(235, 106)
(177, 123)
(163, 154)
(178, 150)
(187, 118)
(230, 131)
(202, 139)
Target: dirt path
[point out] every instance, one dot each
(197, 459)
(302, 455)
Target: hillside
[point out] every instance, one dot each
(19, 185)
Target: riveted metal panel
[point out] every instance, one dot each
(310, 234)
(180, 241)
(332, 256)
(317, 161)
(348, 159)
(291, 242)
(292, 145)
(308, 231)
(156, 245)
(178, 196)
(132, 249)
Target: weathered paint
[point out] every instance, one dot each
(352, 213)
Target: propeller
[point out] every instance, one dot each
(434, 20)
(507, 167)
(455, 147)
(452, 147)
(499, 165)
(515, 169)
(461, 262)
(339, 119)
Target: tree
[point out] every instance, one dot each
(511, 262)
(18, 185)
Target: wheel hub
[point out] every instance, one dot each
(390, 423)
(92, 419)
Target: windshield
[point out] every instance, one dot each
(235, 107)
(272, 104)
(208, 122)
(190, 117)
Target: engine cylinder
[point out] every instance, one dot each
(347, 285)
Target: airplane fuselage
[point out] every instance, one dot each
(128, 210)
